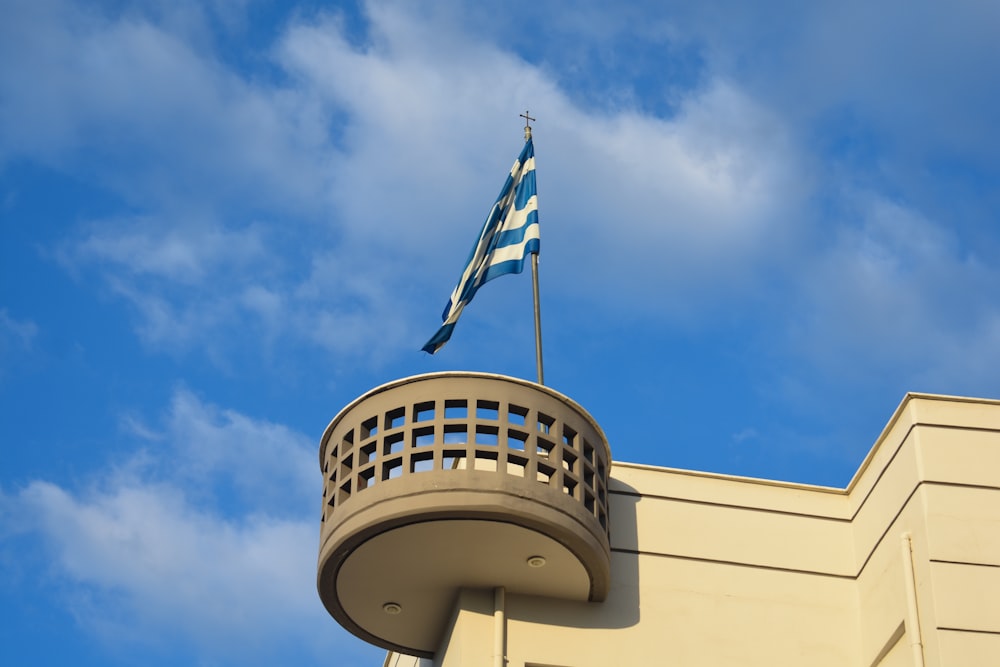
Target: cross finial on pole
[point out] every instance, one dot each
(527, 124)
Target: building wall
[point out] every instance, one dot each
(960, 498)
(708, 571)
(901, 568)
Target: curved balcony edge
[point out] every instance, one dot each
(458, 505)
(453, 480)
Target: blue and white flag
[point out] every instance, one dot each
(509, 235)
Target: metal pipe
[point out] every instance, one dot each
(912, 613)
(499, 628)
(538, 319)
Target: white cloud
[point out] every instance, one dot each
(181, 253)
(898, 292)
(207, 538)
(370, 158)
(151, 115)
(694, 198)
(667, 207)
(144, 566)
(173, 323)
(15, 333)
(17, 337)
(266, 466)
(676, 206)
(916, 78)
(181, 276)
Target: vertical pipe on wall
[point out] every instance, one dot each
(499, 627)
(912, 613)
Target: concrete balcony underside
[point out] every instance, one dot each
(458, 480)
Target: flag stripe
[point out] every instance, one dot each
(509, 234)
(520, 225)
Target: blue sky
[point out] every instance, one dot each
(762, 224)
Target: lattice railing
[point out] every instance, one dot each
(456, 423)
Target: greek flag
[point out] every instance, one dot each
(509, 235)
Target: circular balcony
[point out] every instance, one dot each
(458, 480)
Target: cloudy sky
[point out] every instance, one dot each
(762, 224)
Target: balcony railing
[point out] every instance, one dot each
(479, 456)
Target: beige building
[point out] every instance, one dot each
(473, 519)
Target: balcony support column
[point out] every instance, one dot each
(499, 627)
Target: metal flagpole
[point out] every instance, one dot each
(538, 320)
(534, 280)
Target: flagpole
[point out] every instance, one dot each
(534, 280)
(538, 319)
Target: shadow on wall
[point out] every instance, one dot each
(621, 608)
